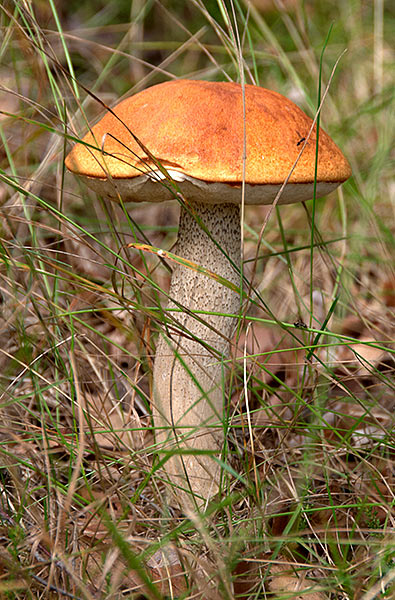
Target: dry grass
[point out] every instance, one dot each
(307, 504)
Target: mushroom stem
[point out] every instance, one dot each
(188, 372)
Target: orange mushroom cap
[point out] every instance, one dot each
(195, 129)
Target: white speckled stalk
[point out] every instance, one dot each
(187, 415)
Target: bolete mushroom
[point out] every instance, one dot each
(193, 131)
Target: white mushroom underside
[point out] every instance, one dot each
(154, 188)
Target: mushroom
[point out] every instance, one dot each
(192, 133)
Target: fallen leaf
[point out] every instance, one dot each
(284, 580)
